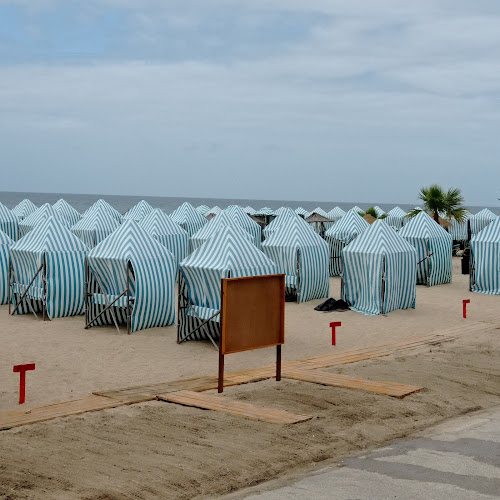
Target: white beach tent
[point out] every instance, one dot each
(139, 211)
(24, 208)
(40, 215)
(189, 219)
(480, 220)
(63, 208)
(95, 226)
(103, 205)
(246, 222)
(9, 223)
(202, 209)
(335, 214)
(5, 244)
(396, 218)
(285, 214)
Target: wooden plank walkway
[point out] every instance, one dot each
(233, 407)
(377, 387)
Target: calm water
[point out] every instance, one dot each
(123, 203)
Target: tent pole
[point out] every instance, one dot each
(178, 305)
(27, 289)
(128, 298)
(10, 283)
(383, 284)
(298, 274)
(86, 297)
(44, 280)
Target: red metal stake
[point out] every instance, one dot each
(465, 302)
(333, 325)
(22, 369)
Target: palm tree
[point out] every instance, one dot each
(436, 200)
(371, 211)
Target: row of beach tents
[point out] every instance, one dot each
(123, 269)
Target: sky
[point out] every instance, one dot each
(261, 99)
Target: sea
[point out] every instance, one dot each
(168, 204)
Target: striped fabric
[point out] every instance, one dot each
(433, 245)
(335, 214)
(264, 211)
(317, 210)
(396, 218)
(41, 214)
(479, 221)
(139, 211)
(285, 214)
(63, 208)
(301, 211)
(341, 234)
(9, 223)
(64, 254)
(5, 244)
(214, 211)
(485, 259)
(379, 271)
(24, 208)
(458, 230)
(95, 226)
(153, 277)
(302, 256)
(249, 210)
(163, 229)
(378, 211)
(189, 219)
(248, 224)
(103, 205)
(202, 209)
(357, 209)
(227, 252)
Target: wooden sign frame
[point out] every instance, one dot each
(252, 316)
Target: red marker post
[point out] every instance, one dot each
(22, 369)
(333, 326)
(465, 302)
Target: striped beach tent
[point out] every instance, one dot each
(317, 210)
(341, 234)
(285, 214)
(265, 211)
(202, 209)
(24, 208)
(41, 214)
(213, 211)
(357, 209)
(189, 219)
(302, 255)
(246, 222)
(335, 214)
(485, 260)
(249, 210)
(396, 217)
(48, 271)
(95, 226)
(5, 244)
(458, 230)
(163, 229)
(63, 208)
(103, 205)
(379, 271)
(433, 245)
(378, 211)
(139, 211)
(302, 212)
(480, 220)
(130, 280)
(228, 253)
(9, 223)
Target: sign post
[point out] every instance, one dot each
(22, 369)
(465, 302)
(333, 325)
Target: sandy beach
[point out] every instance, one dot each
(159, 449)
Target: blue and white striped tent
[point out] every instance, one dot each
(228, 253)
(131, 279)
(378, 211)
(302, 256)
(341, 234)
(41, 214)
(285, 214)
(264, 211)
(103, 205)
(458, 230)
(246, 222)
(317, 210)
(249, 210)
(51, 259)
(433, 245)
(5, 244)
(63, 208)
(479, 221)
(357, 209)
(24, 208)
(139, 211)
(95, 226)
(396, 218)
(9, 223)
(379, 271)
(485, 260)
(202, 209)
(335, 214)
(212, 212)
(189, 219)
(163, 229)
(302, 212)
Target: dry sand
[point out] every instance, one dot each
(164, 450)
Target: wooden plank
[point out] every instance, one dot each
(378, 387)
(222, 404)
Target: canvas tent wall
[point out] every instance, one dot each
(249, 210)
(40, 215)
(341, 234)
(23, 209)
(302, 256)
(459, 230)
(396, 218)
(379, 211)
(5, 244)
(357, 209)
(47, 271)
(63, 208)
(130, 280)
(479, 221)
(95, 226)
(248, 224)
(202, 209)
(189, 219)
(301, 212)
(285, 214)
(335, 214)
(9, 223)
(485, 260)
(228, 253)
(433, 245)
(163, 229)
(103, 205)
(139, 211)
(379, 271)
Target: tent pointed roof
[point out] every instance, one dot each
(104, 205)
(24, 208)
(159, 223)
(186, 213)
(5, 239)
(97, 219)
(336, 213)
(202, 209)
(214, 225)
(423, 226)
(40, 215)
(378, 211)
(62, 207)
(295, 232)
(491, 233)
(348, 227)
(485, 213)
(139, 211)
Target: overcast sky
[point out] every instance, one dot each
(275, 99)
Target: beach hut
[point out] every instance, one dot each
(459, 230)
(63, 208)
(302, 255)
(189, 219)
(335, 214)
(249, 210)
(48, 271)
(227, 254)
(23, 209)
(302, 212)
(41, 214)
(396, 218)
(379, 271)
(341, 234)
(95, 226)
(285, 214)
(212, 212)
(103, 205)
(139, 211)
(485, 260)
(357, 209)
(433, 245)
(9, 223)
(202, 209)
(378, 211)
(163, 229)
(130, 280)
(479, 221)
(5, 243)
(246, 222)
